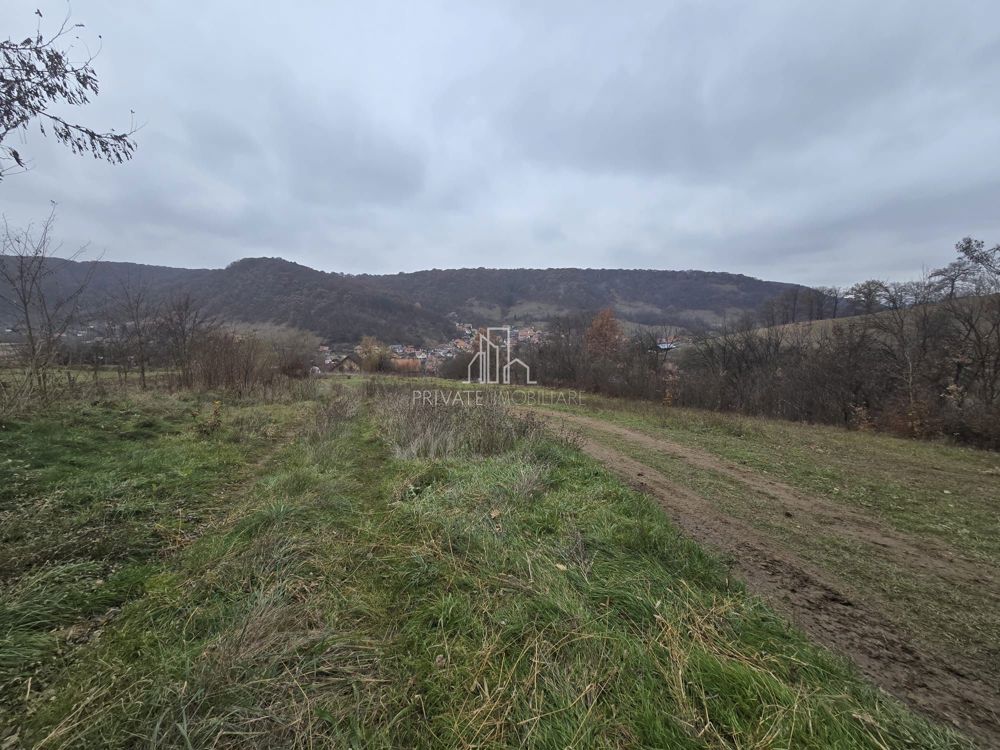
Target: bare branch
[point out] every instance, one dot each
(37, 73)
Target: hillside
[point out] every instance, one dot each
(262, 290)
(523, 295)
(422, 306)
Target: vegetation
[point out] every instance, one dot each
(598, 355)
(374, 356)
(42, 316)
(940, 497)
(390, 576)
(484, 296)
(92, 496)
(924, 360)
(37, 75)
(138, 333)
(418, 307)
(336, 307)
(202, 546)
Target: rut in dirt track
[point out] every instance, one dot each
(822, 605)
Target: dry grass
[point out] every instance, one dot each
(419, 431)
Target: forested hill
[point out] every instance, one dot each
(422, 306)
(522, 295)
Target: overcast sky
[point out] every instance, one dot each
(800, 141)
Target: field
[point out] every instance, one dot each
(353, 570)
(881, 548)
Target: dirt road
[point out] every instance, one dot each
(828, 608)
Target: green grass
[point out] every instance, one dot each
(493, 593)
(957, 617)
(91, 495)
(927, 488)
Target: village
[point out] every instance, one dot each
(413, 359)
(86, 343)
(401, 357)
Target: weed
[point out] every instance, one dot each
(210, 424)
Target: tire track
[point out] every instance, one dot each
(821, 516)
(826, 608)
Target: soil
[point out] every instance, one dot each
(959, 692)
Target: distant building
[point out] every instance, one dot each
(350, 363)
(666, 346)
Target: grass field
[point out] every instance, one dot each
(354, 571)
(911, 528)
(945, 491)
(941, 494)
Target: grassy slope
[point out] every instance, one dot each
(516, 594)
(940, 492)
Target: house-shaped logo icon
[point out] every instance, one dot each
(493, 359)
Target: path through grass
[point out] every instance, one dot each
(382, 584)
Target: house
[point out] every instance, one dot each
(664, 345)
(350, 363)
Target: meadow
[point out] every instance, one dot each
(353, 569)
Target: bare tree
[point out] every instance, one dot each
(116, 340)
(973, 302)
(140, 317)
(975, 251)
(829, 298)
(374, 354)
(604, 336)
(183, 323)
(43, 311)
(793, 303)
(834, 292)
(293, 349)
(39, 72)
(954, 276)
(924, 360)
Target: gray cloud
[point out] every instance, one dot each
(810, 143)
(334, 154)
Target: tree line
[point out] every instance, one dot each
(133, 333)
(919, 358)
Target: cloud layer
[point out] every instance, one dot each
(801, 142)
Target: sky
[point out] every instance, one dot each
(820, 143)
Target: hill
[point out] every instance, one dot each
(524, 295)
(422, 306)
(262, 290)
